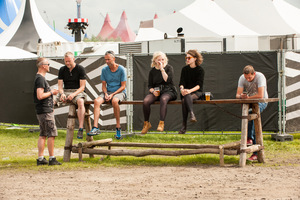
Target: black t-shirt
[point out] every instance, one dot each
(72, 79)
(44, 105)
(191, 77)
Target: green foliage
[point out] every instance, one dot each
(19, 151)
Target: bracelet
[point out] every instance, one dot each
(162, 70)
(51, 93)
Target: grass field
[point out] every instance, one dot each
(19, 151)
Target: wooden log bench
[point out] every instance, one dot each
(242, 150)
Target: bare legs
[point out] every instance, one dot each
(115, 105)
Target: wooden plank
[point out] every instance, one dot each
(159, 145)
(148, 152)
(216, 101)
(244, 133)
(93, 143)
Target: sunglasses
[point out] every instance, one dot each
(47, 64)
(188, 57)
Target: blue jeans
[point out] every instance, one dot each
(251, 129)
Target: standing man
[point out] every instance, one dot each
(113, 79)
(71, 85)
(43, 99)
(252, 85)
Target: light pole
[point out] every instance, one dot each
(79, 24)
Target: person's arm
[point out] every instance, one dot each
(123, 85)
(259, 95)
(61, 89)
(104, 90)
(79, 90)
(41, 94)
(239, 93)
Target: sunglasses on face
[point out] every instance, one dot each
(188, 57)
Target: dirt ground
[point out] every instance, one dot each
(174, 183)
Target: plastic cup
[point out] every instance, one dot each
(207, 96)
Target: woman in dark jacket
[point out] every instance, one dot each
(191, 86)
(161, 87)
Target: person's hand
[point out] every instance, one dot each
(156, 93)
(62, 97)
(160, 65)
(71, 97)
(184, 92)
(108, 97)
(244, 96)
(54, 91)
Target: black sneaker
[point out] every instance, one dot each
(42, 162)
(53, 161)
(80, 133)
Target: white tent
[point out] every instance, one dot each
(263, 16)
(9, 53)
(27, 28)
(227, 18)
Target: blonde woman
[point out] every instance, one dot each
(161, 88)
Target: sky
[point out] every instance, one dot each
(59, 11)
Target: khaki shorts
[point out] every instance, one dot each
(67, 92)
(121, 96)
(47, 125)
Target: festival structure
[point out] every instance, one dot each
(106, 29)
(28, 29)
(123, 30)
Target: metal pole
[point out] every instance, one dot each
(129, 92)
(279, 68)
(283, 92)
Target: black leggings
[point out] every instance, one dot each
(187, 105)
(150, 99)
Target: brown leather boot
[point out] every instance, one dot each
(146, 127)
(161, 126)
(192, 117)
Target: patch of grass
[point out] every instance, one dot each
(19, 151)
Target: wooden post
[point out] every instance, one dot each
(258, 133)
(244, 134)
(221, 147)
(87, 124)
(70, 133)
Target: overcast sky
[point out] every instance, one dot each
(59, 11)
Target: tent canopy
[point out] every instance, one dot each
(225, 18)
(27, 29)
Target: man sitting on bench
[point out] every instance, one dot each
(113, 79)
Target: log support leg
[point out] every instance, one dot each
(258, 133)
(244, 134)
(70, 133)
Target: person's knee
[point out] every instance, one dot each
(80, 102)
(115, 102)
(98, 101)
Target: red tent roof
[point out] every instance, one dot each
(123, 30)
(106, 29)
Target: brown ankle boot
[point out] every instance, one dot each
(192, 117)
(161, 126)
(146, 127)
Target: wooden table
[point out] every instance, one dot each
(259, 147)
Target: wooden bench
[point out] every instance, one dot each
(243, 149)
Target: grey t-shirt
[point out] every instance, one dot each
(252, 87)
